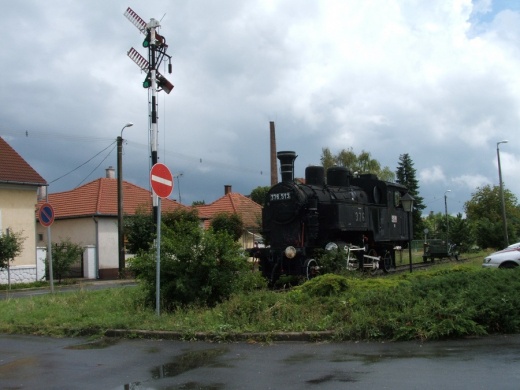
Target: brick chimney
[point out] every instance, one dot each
(227, 189)
(274, 169)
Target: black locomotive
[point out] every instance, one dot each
(360, 215)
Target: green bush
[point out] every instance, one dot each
(333, 261)
(229, 223)
(64, 254)
(327, 285)
(197, 267)
(10, 246)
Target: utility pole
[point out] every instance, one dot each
(504, 219)
(120, 230)
(447, 222)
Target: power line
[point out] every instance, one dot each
(79, 166)
(52, 134)
(166, 152)
(96, 166)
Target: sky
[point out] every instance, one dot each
(437, 80)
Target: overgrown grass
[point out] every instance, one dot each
(447, 301)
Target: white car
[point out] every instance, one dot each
(506, 258)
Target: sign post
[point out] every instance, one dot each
(46, 218)
(161, 180)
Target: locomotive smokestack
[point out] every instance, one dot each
(274, 171)
(287, 165)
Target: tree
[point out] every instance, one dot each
(460, 232)
(406, 176)
(64, 254)
(232, 224)
(11, 245)
(362, 163)
(436, 225)
(484, 212)
(259, 193)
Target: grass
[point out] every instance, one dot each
(448, 300)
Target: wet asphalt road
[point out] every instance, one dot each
(30, 362)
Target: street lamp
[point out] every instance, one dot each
(502, 193)
(407, 202)
(447, 223)
(120, 234)
(178, 176)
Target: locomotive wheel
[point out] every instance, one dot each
(386, 262)
(311, 269)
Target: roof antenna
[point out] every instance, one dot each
(162, 17)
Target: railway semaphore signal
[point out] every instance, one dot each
(154, 81)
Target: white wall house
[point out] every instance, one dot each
(87, 215)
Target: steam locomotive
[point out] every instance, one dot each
(360, 215)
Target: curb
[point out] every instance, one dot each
(204, 336)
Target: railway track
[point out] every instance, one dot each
(425, 265)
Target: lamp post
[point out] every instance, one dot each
(447, 223)
(178, 176)
(120, 234)
(504, 220)
(407, 202)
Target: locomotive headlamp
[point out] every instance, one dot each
(290, 252)
(331, 246)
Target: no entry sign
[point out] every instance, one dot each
(46, 214)
(161, 180)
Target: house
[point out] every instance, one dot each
(87, 215)
(232, 202)
(19, 184)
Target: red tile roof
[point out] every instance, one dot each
(15, 170)
(249, 210)
(99, 197)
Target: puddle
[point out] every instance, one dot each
(183, 386)
(189, 361)
(338, 377)
(101, 343)
(198, 386)
(183, 363)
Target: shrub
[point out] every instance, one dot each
(10, 246)
(197, 267)
(327, 285)
(232, 224)
(64, 254)
(333, 261)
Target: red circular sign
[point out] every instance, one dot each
(161, 180)
(46, 214)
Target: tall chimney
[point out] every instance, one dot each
(227, 189)
(287, 165)
(274, 170)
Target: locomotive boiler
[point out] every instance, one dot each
(336, 210)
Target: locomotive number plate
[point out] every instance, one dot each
(281, 196)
